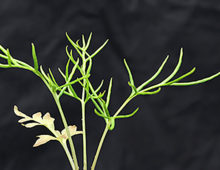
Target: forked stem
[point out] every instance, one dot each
(106, 131)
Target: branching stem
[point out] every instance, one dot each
(107, 129)
(83, 107)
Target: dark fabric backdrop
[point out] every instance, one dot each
(177, 129)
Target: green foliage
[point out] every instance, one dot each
(99, 97)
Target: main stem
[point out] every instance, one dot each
(84, 129)
(67, 130)
(83, 106)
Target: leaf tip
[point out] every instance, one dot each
(17, 112)
(181, 52)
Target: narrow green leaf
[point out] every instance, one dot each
(9, 57)
(43, 73)
(175, 70)
(68, 78)
(94, 95)
(62, 74)
(109, 93)
(69, 54)
(67, 69)
(129, 73)
(21, 64)
(101, 102)
(87, 94)
(154, 76)
(88, 41)
(72, 91)
(196, 82)
(72, 59)
(181, 77)
(77, 47)
(99, 96)
(99, 87)
(73, 82)
(131, 80)
(50, 81)
(104, 107)
(34, 57)
(97, 106)
(3, 56)
(143, 92)
(101, 115)
(73, 70)
(61, 93)
(89, 66)
(52, 77)
(99, 49)
(134, 89)
(83, 41)
(128, 115)
(16, 63)
(4, 66)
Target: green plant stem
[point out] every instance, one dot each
(83, 107)
(124, 104)
(100, 145)
(67, 130)
(84, 130)
(57, 101)
(68, 155)
(107, 129)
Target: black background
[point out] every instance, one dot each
(177, 129)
